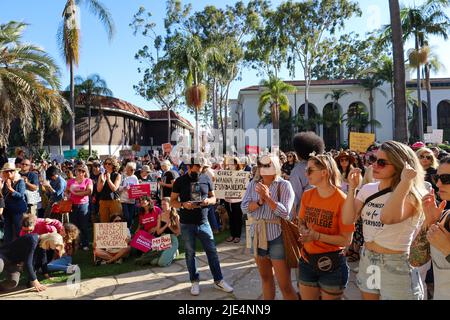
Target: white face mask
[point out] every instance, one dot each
(268, 171)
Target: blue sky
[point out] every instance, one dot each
(115, 61)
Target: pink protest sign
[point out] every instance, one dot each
(142, 241)
(138, 190)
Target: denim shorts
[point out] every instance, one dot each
(333, 281)
(275, 249)
(389, 275)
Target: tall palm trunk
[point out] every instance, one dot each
(90, 129)
(275, 111)
(372, 128)
(196, 142)
(428, 85)
(401, 122)
(214, 105)
(392, 99)
(72, 107)
(419, 95)
(168, 125)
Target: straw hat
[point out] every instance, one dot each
(8, 167)
(345, 154)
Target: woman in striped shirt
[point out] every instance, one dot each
(268, 199)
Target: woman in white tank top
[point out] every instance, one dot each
(439, 232)
(391, 211)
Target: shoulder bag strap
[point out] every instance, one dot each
(377, 195)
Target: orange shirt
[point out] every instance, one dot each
(325, 216)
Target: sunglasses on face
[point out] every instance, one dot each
(426, 157)
(445, 178)
(381, 163)
(108, 163)
(344, 160)
(309, 171)
(264, 165)
(289, 156)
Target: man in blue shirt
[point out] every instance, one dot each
(31, 180)
(55, 186)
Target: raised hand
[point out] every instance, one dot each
(430, 208)
(354, 178)
(408, 173)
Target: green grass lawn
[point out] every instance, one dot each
(84, 259)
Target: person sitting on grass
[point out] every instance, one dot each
(168, 224)
(113, 255)
(21, 251)
(148, 215)
(64, 263)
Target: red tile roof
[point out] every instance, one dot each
(123, 105)
(162, 115)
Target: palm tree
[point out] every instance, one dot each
(29, 84)
(371, 82)
(69, 41)
(401, 129)
(88, 93)
(274, 96)
(357, 119)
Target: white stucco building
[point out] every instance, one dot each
(244, 109)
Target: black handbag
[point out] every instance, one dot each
(324, 262)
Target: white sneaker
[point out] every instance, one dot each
(222, 285)
(72, 268)
(195, 289)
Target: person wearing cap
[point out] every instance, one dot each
(345, 163)
(13, 192)
(31, 180)
(78, 191)
(167, 179)
(267, 200)
(192, 194)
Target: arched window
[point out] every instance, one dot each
(331, 127)
(311, 125)
(414, 123)
(443, 115)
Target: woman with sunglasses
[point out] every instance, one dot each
(268, 199)
(78, 190)
(289, 164)
(429, 164)
(323, 270)
(108, 190)
(439, 232)
(391, 211)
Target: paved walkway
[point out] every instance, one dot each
(171, 283)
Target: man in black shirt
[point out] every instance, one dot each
(168, 178)
(192, 194)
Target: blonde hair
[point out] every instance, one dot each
(326, 162)
(85, 169)
(399, 154)
(173, 212)
(51, 241)
(115, 163)
(434, 161)
(131, 165)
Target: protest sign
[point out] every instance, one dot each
(231, 184)
(126, 154)
(139, 190)
(110, 235)
(162, 243)
(167, 147)
(251, 149)
(70, 154)
(435, 137)
(361, 141)
(142, 241)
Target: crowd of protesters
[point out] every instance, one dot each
(384, 208)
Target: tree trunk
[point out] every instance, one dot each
(275, 116)
(72, 107)
(428, 84)
(214, 105)
(392, 111)
(401, 122)
(169, 127)
(61, 134)
(372, 129)
(419, 95)
(90, 129)
(196, 142)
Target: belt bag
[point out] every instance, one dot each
(325, 262)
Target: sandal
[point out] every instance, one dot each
(237, 240)
(229, 239)
(352, 255)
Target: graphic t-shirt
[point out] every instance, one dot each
(397, 236)
(149, 220)
(325, 215)
(74, 186)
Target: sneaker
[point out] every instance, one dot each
(222, 285)
(72, 268)
(86, 248)
(195, 289)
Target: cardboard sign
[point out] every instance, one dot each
(70, 154)
(162, 243)
(361, 141)
(138, 190)
(167, 147)
(231, 184)
(110, 235)
(142, 241)
(435, 137)
(153, 186)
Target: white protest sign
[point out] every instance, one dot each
(231, 184)
(162, 243)
(437, 136)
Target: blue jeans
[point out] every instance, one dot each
(60, 264)
(13, 225)
(80, 218)
(129, 210)
(213, 221)
(189, 234)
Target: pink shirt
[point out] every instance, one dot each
(42, 227)
(73, 185)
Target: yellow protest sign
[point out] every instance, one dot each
(361, 141)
